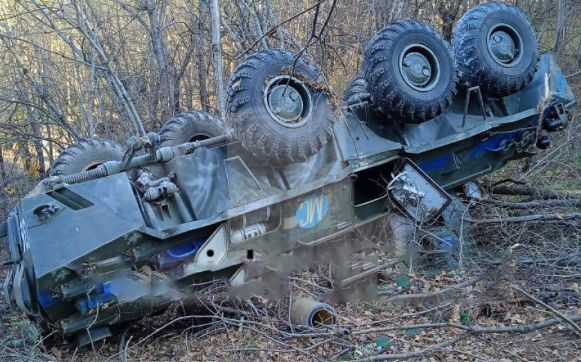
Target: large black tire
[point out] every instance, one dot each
(496, 49)
(411, 71)
(295, 128)
(86, 155)
(189, 127)
(357, 91)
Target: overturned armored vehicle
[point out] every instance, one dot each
(115, 235)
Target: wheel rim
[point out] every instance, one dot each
(288, 101)
(419, 67)
(504, 44)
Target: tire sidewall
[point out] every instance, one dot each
(440, 52)
(185, 126)
(320, 108)
(86, 160)
(85, 155)
(529, 51)
(200, 127)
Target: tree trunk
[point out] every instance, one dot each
(448, 13)
(201, 64)
(167, 86)
(217, 53)
(88, 31)
(560, 29)
(38, 146)
(2, 168)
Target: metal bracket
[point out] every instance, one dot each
(555, 117)
(475, 89)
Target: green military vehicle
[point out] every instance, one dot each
(114, 235)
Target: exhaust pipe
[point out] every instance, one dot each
(310, 313)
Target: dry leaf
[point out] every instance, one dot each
(56, 352)
(455, 314)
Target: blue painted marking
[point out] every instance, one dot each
(493, 144)
(312, 211)
(180, 253)
(102, 294)
(185, 250)
(436, 163)
(561, 85)
(46, 299)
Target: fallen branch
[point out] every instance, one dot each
(527, 218)
(567, 260)
(440, 294)
(521, 328)
(123, 345)
(469, 331)
(534, 204)
(538, 192)
(416, 354)
(567, 320)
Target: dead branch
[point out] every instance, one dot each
(534, 204)
(425, 297)
(521, 328)
(470, 330)
(541, 193)
(274, 28)
(575, 326)
(420, 353)
(527, 218)
(568, 259)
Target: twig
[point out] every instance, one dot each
(273, 29)
(542, 193)
(570, 259)
(415, 314)
(521, 328)
(458, 288)
(257, 350)
(468, 354)
(517, 356)
(575, 326)
(122, 347)
(416, 354)
(528, 218)
(534, 204)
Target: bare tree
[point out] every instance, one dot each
(217, 53)
(111, 68)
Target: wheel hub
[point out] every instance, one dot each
(502, 47)
(285, 102)
(419, 67)
(504, 44)
(288, 100)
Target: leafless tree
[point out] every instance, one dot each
(74, 69)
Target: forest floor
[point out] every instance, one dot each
(517, 297)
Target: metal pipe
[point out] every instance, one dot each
(161, 155)
(310, 313)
